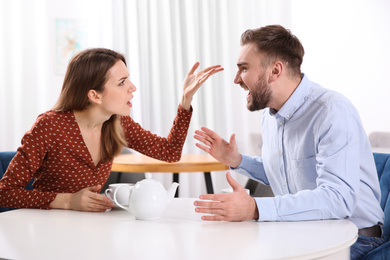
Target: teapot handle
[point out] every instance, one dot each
(115, 200)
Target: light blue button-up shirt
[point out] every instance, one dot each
(317, 159)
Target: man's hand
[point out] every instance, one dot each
(235, 206)
(226, 153)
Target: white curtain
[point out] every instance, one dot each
(20, 44)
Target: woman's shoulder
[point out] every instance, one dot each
(54, 118)
(55, 115)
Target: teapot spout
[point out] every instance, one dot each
(171, 192)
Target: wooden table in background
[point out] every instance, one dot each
(188, 163)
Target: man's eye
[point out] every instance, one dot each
(122, 83)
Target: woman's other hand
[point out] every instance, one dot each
(87, 199)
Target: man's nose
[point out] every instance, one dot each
(237, 79)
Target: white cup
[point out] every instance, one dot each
(230, 190)
(122, 195)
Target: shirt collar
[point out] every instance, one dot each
(295, 101)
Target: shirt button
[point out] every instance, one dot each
(285, 184)
(280, 153)
(280, 123)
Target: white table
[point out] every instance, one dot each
(180, 234)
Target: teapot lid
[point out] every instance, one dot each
(148, 180)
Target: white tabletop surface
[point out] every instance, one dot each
(179, 234)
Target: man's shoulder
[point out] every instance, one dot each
(315, 92)
(327, 97)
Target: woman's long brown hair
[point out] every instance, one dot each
(88, 70)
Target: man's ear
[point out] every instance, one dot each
(277, 69)
(94, 96)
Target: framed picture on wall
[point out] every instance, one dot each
(71, 37)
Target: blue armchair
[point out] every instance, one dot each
(382, 162)
(5, 159)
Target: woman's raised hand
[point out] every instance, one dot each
(194, 80)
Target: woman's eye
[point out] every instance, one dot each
(122, 83)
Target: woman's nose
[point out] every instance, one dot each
(132, 87)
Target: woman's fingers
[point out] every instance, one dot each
(194, 67)
(89, 200)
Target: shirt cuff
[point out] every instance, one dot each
(182, 109)
(266, 209)
(245, 159)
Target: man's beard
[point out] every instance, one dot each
(260, 96)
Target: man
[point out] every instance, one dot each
(316, 154)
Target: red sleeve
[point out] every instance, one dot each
(167, 149)
(22, 169)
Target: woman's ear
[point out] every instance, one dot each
(94, 97)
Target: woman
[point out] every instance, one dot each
(69, 150)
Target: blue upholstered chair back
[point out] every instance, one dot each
(5, 159)
(382, 162)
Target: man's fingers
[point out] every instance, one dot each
(204, 148)
(210, 207)
(232, 182)
(214, 212)
(209, 132)
(213, 197)
(204, 135)
(203, 140)
(208, 204)
(233, 140)
(214, 218)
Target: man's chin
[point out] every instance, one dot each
(252, 107)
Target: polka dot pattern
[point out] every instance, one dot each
(165, 149)
(54, 154)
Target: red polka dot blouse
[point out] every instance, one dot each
(54, 154)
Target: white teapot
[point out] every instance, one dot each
(148, 198)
